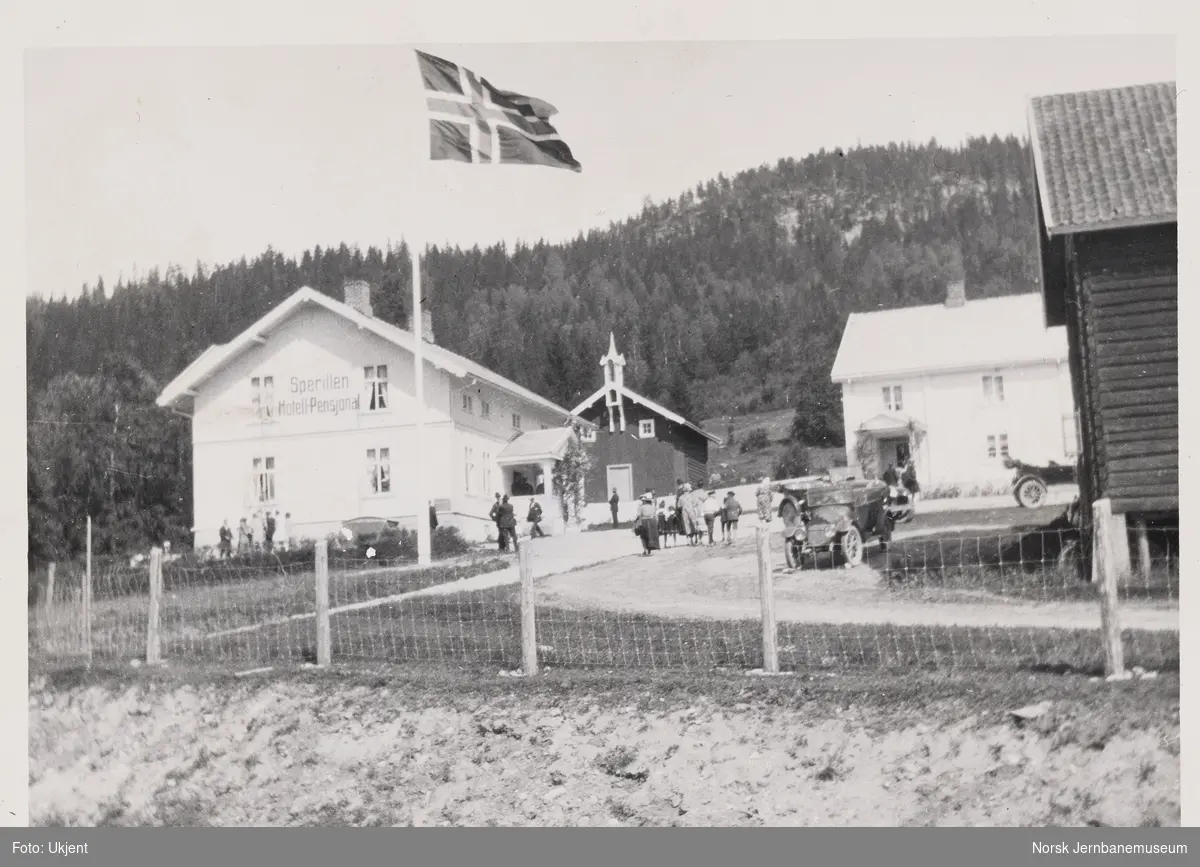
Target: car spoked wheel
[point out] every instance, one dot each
(791, 554)
(1031, 493)
(788, 513)
(851, 548)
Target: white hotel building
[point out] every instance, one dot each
(958, 386)
(311, 411)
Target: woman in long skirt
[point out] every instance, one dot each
(647, 518)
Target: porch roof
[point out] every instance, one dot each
(885, 423)
(536, 446)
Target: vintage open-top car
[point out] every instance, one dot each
(839, 519)
(1031, 484)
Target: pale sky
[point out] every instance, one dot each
(147, 157)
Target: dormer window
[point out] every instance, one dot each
(646, 428)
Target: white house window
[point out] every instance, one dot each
(377, 387)
(485, 409)
(588, 435)
(997, 445)
(993, 389)
(516, 421)
(379, 470)
(469, 467)
(893, 398)
(264, 479)
(487, 472)
(468, 403)
(262, 391)
(646, 428)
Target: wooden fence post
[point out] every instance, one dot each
(766, 590)
(49, 592)
(529, 658)
(324, 636)
(1105, 573)
(1143, 544)
(87, 598)
(154, 622)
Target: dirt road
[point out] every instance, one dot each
(722, 582)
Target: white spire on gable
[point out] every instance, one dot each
(613, 365)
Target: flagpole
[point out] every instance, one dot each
(424, 531)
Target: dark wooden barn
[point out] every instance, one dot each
(639, 445)
(1105, 169)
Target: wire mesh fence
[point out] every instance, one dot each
(979, 600)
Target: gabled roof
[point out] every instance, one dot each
(215, 358)
(650, 405)
(536, 445)
(985, 332)
(1106, 158)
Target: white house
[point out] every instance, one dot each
(310, 412)
(959, 386)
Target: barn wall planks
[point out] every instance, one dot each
(1126, 288)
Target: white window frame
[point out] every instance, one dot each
(997, 446)
(487, 472)
(375, 388)
(893, 398)
(587, 435)
(379, 472)
(469, 468)
(516, 421)
(468, 404)
(264, 480)
(646, 428)
(993, 388)
(262, 396)
(485, 408)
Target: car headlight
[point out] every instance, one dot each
(830, 531)
(799, 535)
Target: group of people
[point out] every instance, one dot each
(266, 525)
(903, 476)
(505, 518)
(693, 514)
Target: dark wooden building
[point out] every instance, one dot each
(1105, 169)
(639, 445)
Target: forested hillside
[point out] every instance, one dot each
(727, 299)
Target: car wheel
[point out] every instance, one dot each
(788, 513)
(850, 547)
(1031, 493)
(790, 554)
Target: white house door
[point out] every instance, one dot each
(893, 451)
(620, 476)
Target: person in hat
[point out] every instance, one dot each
(506, 520)
(646, 524)
(494, 514)
(664, 522)
(731, 509)
(613, 502)
(535, 519)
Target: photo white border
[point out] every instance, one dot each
(44, 23)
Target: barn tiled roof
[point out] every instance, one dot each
(1106, 158)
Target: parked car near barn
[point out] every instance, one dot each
(1031, 484)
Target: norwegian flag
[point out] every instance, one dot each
(471, 121)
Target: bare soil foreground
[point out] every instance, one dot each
(395, 749)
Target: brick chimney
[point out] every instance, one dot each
(956, 293)
(427, 326)
(357, 294)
